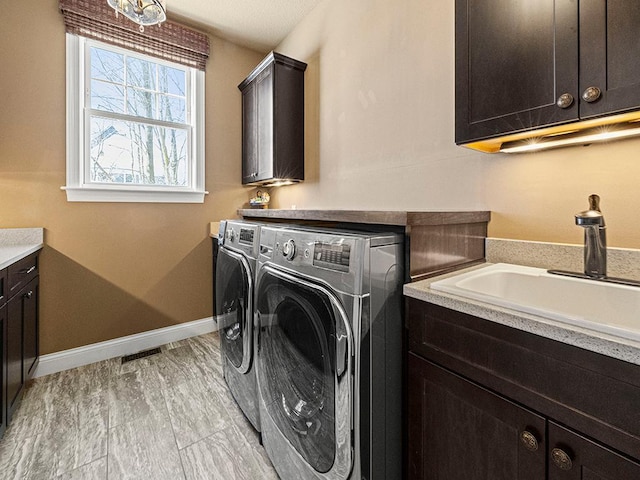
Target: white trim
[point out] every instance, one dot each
(77, 357)
(94, 194)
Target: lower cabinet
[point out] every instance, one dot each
(459, 430)
(573, 456)
(30, 323)
(20, 333)
(484, 403)
(3, 371)
(15, 373)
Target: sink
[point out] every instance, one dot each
(605, 307)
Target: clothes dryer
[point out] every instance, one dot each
(328, 313)
(234, 292)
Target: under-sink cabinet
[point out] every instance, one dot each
(19, 284)
(3, 374)
(489, 402)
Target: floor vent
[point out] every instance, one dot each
(145, 353)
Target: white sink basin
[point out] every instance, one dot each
(604, 307)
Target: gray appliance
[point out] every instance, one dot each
(328, 311)
(234, 290)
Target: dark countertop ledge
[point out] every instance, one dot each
(398, 218)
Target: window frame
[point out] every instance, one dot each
(78, 188)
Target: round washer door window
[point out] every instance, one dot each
(232, 307)
(297, 360)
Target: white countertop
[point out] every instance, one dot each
(612, 346)
(17, 243)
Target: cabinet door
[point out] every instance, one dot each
(15, 373)
(3, 375)
(257, 131)
(609, 52)
(514, 58)
(29, 298)
(4, 290)
(458, 430)
(574, 457)
(249, 134)
(264, 88)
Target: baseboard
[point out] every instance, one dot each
(76, 357)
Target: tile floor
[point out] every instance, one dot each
(167, 416)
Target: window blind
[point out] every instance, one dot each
(170, 41)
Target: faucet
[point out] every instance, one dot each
(595, 247)
(595, 239)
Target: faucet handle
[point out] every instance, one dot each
(593, 216)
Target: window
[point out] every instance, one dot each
(135, 126)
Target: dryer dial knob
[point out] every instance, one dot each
(289, 249)
(231, 235)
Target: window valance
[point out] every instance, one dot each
(169, 41)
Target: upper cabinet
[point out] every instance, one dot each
(273, 122)
(609, 51)
(525, 65)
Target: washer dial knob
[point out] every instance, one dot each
(289, 249)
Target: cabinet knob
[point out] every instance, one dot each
(530, 441)
(565, 100)
(591, 94)
(29, 294)
(561, 459)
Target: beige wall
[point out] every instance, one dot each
(108, 270)
(380, 126)
(379, 135)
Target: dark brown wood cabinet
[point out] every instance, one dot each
(273, 121)
(526, 64)
(461, 431)
(588, 459)
(15, 372)
(489, 402)
(30, 324)
(20, 331)
(3, 372)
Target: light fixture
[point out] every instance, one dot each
(582, 137)
(143, 12)
(279, 182)
(583, 132)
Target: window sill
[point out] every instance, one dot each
(132, 195)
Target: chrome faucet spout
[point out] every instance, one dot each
(595, 239)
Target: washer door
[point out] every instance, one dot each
(234, 310)
(303, 368)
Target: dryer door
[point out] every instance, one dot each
(234, 310)
(304, 364)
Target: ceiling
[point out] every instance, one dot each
(257, 24)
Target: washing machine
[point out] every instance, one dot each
(329, 362)
(234, 290)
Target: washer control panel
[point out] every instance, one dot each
(239, 236)
(309, 250)
(247, 235)
(332, 255)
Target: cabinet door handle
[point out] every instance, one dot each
(29, 294)
(591, 94)
(530, 441)
(27, 271)
(565, 100)
(561, 459)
